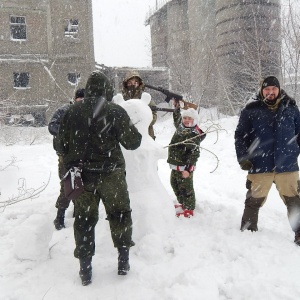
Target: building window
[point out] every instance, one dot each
(74, 78)
(71, 28)
(17, 28)
(21, 80)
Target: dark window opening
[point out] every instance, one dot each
(21, 80)
(18, 28)
(73, 78)
(71, 28)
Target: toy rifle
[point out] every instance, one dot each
(170, 95)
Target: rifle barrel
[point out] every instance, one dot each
(155, 108)
(154, 87)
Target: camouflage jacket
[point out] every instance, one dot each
(111, 128)
(185, 154)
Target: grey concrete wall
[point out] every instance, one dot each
(203, 52)
(36, 93)
(159, 37)
(170, 44)
(36, 29)
(248, 46)
(178, 52)
(69, 55)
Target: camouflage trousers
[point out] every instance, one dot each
(259, 185)
(111, 188)
(62, 201)
(183, 189)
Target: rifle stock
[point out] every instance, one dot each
(170, 95)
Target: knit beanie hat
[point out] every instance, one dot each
(270, 81)
(192, 113)
(79, 93)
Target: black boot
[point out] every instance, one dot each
(297, 238)
(250, 216)
(123, 261)
(85, 272)
(59, 221)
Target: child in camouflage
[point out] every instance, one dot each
(182, 157)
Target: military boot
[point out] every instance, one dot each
(123, 261)
(59, 221)
(293, 208)
(85, 272)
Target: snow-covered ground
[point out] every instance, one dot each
(204, 257)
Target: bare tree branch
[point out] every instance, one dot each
(24, 193)
(11, 163)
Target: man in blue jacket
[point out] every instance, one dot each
(267, 146)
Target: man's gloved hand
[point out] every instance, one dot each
(246, 165)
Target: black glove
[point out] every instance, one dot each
(246, 165)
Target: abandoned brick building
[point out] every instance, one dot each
(46, 52)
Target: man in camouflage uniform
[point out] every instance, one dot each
(183, 154)
(103, 169)
(62, 203)
(133, 87)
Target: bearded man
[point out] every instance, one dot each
(267, 146)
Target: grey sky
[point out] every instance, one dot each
(120, 36)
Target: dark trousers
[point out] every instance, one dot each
(62, 202)
(112, 189)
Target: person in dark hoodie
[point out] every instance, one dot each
(267, 146)
(103, 170)
(62, 203)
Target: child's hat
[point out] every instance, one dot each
(192, 113)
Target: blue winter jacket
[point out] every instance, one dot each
(269, 139)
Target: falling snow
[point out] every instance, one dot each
(204, 257)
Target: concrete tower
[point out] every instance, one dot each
(178, 51)
(159, 37)
(224, 47)
(248, 46)
(202, 24)
(170, 43)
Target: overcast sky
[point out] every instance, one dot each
(120, 35)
